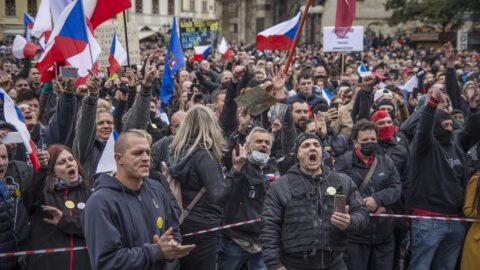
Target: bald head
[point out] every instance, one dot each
(177, 119)
(122, 142)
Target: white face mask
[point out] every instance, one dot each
(259, 158)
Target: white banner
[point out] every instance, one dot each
(462, 39)
(353, 41)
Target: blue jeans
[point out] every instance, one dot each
(232, 257)
(436, 244)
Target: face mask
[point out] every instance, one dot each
(443, 136)
(259, 158)
(460, 122)
(386, 133)
(152, 116)
(368, 148)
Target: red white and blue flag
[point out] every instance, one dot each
(201, 52)
(280, 36)
(23, 49)
(71, 42)
(28, 23)
(14, 116)
(224, 48)
(117, 56)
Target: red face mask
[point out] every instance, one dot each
(386, 133)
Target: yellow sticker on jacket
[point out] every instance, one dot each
(69, 204)
(159, 223)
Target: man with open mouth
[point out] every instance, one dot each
(300, 230)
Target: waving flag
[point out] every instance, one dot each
(24, 49)
(327, 95)
(224, 48)
(99, 11)
(201, 52)
(117, 56)
(107, 160)
(363, 71)
(345, 15)
(173, 62)
(14, 116)
(412, 83)
(28, 23)
(280, 36)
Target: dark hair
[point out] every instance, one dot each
(362, 125)
(55, 150)
(26, 95)
(457, 111)
(305, 76)
(217, 93)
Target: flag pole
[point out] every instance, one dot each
(297, 36)
(126, 36)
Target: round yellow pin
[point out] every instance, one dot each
(18, 193)
(69, 204)
(159, 222)
(331, 191)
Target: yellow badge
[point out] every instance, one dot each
(18, 193)
(154, 126)
(69, 204)
(331, 191)
(159, 222)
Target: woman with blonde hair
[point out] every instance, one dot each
(195, 163)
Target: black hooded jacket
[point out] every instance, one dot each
(119, 224)
(438, 171)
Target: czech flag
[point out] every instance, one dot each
(24, 49)
(117, 56)
(28, 23)
(363, 71)
(68, 38)
(224, 48)
(99, 11)
(201, 52)
(14, 116)
(327, 95)
(280, 36)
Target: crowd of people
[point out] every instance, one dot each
(337, 148)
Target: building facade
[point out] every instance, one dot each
(11, 16)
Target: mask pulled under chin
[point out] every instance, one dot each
(368, 148)
(259, 158)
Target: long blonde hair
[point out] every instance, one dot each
(201, 127)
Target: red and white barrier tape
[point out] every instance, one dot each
(41, 251)
(425, 217)
(223, 227)
(55, 250)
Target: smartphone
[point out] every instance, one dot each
(69, 72)
(12, 137)
(339, 203)
(334, 106)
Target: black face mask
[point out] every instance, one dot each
(152, 116)
(368, 148)
(443, 136)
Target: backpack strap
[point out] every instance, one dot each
(186, 211)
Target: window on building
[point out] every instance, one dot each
(32, 7)
(204, 6)
(260, 24)
(192, 5)
(10, 8)
(155, 9)
(139, 6)
(171, 7)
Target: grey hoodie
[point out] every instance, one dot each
(119, 224)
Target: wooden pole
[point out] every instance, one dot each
(126, 36)
(297, 36)
(343, 62)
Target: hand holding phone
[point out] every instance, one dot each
(339, 203)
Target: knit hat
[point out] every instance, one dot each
(379, 115)
(381, 93)
(305, 136)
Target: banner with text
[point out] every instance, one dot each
(353, 41)
(198, 33)
(104, 36)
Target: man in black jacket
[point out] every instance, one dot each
(436, 183)
(298, 228)
(380, 187)
(252, 172)
(127, 212)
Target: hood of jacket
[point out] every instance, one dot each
(179, 170)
